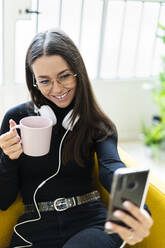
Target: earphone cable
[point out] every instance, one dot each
(34, 197)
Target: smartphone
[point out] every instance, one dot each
(128, 184)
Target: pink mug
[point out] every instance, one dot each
(36, 134)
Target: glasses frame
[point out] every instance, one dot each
(35, 84)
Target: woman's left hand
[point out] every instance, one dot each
(140, 225)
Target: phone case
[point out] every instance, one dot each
(128, 184)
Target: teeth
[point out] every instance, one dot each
(60, 97)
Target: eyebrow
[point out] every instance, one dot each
(45, 76)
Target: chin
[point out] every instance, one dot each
(61, 104)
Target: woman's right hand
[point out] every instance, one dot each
(10, 142)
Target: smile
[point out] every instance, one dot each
(62, 97)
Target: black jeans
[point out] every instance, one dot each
(77, 227)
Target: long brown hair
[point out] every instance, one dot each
(93, 124)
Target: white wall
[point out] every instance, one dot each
(126, 103)
(10, 96)
(10, 92)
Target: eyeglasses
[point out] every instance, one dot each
(64, 79)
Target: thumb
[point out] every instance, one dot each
(12, 123)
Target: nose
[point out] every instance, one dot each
(56, 87)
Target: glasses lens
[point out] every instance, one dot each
(66, 79)
(45, 84)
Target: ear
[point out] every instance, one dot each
(67, 121)
(47, 112)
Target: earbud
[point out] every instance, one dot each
(47, 112)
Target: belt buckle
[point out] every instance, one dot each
(62, 204)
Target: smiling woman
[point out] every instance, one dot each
(58, 188)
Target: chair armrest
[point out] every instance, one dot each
(8, 219)
(156, 203)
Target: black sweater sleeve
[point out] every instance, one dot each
(109, 160)
(9, 184)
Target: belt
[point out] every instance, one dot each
(62, 204)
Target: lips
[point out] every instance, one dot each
(61, 97)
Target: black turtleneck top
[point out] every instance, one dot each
(26, 173)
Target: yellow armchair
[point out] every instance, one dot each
(155, 201)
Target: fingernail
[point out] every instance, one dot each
(126, 204)
(117, 214)
(108, 225)
(10, 120)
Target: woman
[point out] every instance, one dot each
(56, 77)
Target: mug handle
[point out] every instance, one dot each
(16, 126)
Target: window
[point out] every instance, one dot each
(117, 39)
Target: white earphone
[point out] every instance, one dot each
(47, 112)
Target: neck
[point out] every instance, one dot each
(59, 112)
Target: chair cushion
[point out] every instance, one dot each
(8, 219)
